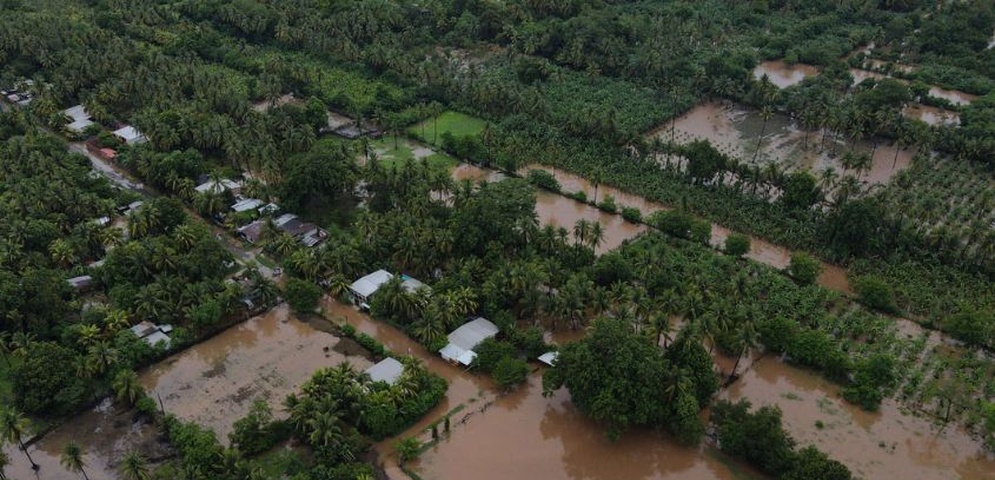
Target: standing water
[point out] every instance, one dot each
(783, 75)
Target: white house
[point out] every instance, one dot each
(246, 205)
(80, 118)
(388, 370)
(365, 287)
(464, 339)
(219, 186)
(130, 135)
(152, 333)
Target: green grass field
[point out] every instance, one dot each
(405, 151)
(458, 124)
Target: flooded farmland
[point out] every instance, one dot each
(885, 444)
(216, 381)
(734, 131)
(783, 75)
(832, 277)
(526, 435)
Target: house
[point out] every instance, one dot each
(219, 186)
(308, 233)
(247, 204)
(365, 287)
(152, 333)
(269, 209)
(253, 231)
(79, 119)
(82, 282)
(388, 370)
(130, 135)
(463, 340)
(549, 358)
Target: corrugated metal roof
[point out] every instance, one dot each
(369, 284)
(387, 370)
(472, 333)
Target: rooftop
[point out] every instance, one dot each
(369, 284)
(387, 370)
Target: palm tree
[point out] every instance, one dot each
(582, 231)
(747, 337)
(72, 459)
(325, 430)
(135, 466)
(596, 235)
(766, 113)
(126, 386)
(5, 347)
(596, 178)
(13, 427)
(4, 461)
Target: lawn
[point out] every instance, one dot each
(457, 124)
(406, 150)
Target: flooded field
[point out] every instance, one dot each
(215, 382)
(734, 130)
(885, 444)
(933, 116)
(106, 433)
(783, 75)
(525, 435)
(953, 96)
(832, 277)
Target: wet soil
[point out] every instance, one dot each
(783, 75)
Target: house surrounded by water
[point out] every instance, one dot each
(464, 339)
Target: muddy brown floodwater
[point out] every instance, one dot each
(933, 116)
(734, 130)
(215, 382)
(525, 435)
(832, 277)
(783, 75)
(881, 445)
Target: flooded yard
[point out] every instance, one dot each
(783, 75)
(885, 444)
(215, 382)
(734, 131)
(525, 435)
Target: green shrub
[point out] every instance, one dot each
(510, 371)
(608, 204)
(876, 293)
(302, 295)
(490, 352)
(632, 214)
(975, 328)
(543, 180)
(737, 245)
(804, 268)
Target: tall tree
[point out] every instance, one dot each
(72, 459)
(13, 427)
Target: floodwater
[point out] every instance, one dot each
(953, 96)
(783, 75)
(215, 382)
(933, 116)
(734, 130)
(526, 435)
(106, 433)
(885, 444)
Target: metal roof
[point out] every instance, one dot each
(472, 333)
(368, 285)
(387, 370)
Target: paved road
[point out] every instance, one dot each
(108, 170)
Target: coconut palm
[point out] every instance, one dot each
(4, 461)
(135, 466)
(72, 459)
(126, 387)
(13, 427)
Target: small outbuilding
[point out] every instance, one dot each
(82, 282)
(246, 205)
(253, 231)
(130, 135)
(464, 339)
(388, 370)
(219, 186)
(364, 288)
(79, 119)
(549, 358)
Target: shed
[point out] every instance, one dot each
(80, 119)
(549, 358)
(130, 135)
(246, 205)
(388, 370)
(253, 231)
(463, 340)
(80, 283)
(157, 337)
(365, 287)
(144, 329)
